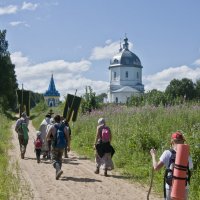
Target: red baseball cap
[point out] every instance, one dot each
(177, 136)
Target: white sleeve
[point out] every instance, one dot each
(190, 162)
(164, 158)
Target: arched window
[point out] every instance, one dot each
(126, 74)
(115, 75)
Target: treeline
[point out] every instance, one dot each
(8, 80)
(177, 92)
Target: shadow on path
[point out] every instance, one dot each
(65, 178)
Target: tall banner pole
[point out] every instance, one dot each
(22, 103)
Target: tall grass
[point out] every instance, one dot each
(8, 181)
(135, 131)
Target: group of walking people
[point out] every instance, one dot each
(53, 140)
(55, 135)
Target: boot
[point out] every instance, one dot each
(22, 155)
(58, 171)
(105, 172)
(66, 155)
(97, 170)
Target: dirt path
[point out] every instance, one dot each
(78, 182)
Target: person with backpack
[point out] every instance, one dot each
(103, 147)
(59, 134)
(21, 127)
(38, 145)
(167, 159)
(43, 130)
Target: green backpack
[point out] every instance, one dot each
(25, 132)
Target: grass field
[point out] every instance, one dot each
(135, 131)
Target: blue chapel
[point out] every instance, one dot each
(52, 96)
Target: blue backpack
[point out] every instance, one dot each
(59, 140)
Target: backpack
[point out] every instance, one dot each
(38, 143)
(105, 134)
(170, 169)
(59, 140)
(25, 130)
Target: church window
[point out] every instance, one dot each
(126, 74)
(137, 75)
(115, 61)
(116, 100)
(115, 75)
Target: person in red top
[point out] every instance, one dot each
(38, 146)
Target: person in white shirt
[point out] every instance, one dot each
(165, 159)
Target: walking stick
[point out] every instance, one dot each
(151, 183)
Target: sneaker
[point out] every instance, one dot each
(58, 174)
(96, 171)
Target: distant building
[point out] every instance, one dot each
(52, 96)
(125, 75)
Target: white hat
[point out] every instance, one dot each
(38, 133)
(24, 115)
(101, 121)
(52, 121)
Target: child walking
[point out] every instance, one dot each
(38, 146)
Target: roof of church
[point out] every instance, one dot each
(125, 56)
(52, 89)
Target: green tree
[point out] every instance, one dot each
(197, 89)
(100, 98)
(8, 81)
(89, 100)
(155, 97)
(173, 89)
(184, 88)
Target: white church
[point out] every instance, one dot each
(125, 75)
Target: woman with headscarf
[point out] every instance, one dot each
(104, 149)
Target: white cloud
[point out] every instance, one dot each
(67, 75)
(108, 51)
(18, 23)
(108, 42)
(29, 6)
(162, 79)
(11, 9)
(197, 62)
(19, 60)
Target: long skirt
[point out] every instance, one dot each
(105, 162)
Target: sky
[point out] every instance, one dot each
(75, 39)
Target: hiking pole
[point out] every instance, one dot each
(151, 183)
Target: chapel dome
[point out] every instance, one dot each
(125, 57)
